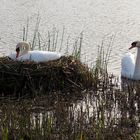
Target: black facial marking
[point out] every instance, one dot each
(134, 44)
(17, 49)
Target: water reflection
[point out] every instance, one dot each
(104, 112)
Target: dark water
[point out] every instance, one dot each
(99, 20)
(105, 113)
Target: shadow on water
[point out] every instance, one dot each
(105, 112)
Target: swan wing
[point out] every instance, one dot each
(127, 65)
(25, 57)
(36, 56)
(44, 56)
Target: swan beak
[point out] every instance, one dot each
(131, 47)
(17, 54)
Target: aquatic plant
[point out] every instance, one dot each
(107, 113)
(103, 112)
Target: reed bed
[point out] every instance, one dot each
(103, 114)
(107, 111)
(70, 100)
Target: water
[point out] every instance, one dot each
(99, 20)
(107, 113)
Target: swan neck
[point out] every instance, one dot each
(24, 49)
(137, 66)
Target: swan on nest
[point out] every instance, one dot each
(23, 53)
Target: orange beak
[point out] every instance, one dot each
(17, 54)
(132, 47)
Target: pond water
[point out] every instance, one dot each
(103, 114)
(98, 20)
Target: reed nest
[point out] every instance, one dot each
(65, 74)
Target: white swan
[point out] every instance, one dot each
(130, 67)
(23, 53)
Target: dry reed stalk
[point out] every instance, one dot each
(65, 74)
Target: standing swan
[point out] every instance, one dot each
(130, 67)
(23, 53)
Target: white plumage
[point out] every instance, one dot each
(127, 65)
(37, 56)
(130, 67)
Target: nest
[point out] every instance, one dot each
(65, 74)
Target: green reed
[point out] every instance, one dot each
(104, 112)
(100, 114)
(54, 40)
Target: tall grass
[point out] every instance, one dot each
(100, 67)
(106, 112)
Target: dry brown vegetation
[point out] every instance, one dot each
(66, 74)
(61, 108)
(106, 113)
